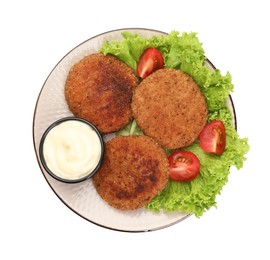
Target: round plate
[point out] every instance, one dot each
(82, 198)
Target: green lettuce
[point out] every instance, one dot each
(199, 195)
(131, 129)
(185, 52)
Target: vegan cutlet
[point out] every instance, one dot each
(169, 106)
(134, 170)
(99, 89)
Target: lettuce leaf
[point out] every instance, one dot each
(199, 195)
(130, 129)
(128, 50)
(185, 52)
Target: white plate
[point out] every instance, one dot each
(82, 198)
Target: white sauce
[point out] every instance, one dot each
(72, 149)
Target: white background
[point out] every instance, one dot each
(35, 35)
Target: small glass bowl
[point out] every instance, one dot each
(43, 160)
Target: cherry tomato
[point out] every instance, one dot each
(213, 138)
(184, 165)
(150, 61)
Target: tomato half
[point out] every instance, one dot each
(184, 165)
(150, 61)
(213, 138)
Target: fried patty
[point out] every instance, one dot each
(99, 89)
(134, 170)
(169, 107)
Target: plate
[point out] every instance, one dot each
(82, 198)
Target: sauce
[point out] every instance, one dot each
(72, 149)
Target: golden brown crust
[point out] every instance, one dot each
(169, 107)
(134, 170)
(99, 88)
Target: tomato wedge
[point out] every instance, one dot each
(184, 166)
(213, 137)
(150, 61)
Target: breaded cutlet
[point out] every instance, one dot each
(99, 89)
(134, 170)
(169, 106)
